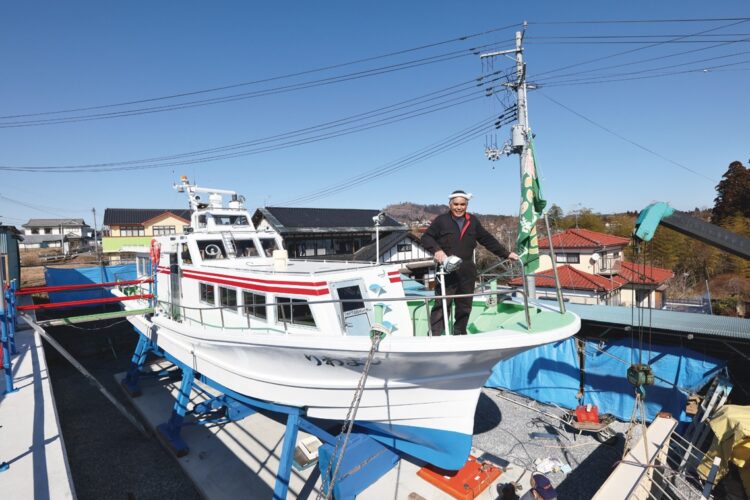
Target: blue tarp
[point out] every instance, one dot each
(56, 276)
(551, 374)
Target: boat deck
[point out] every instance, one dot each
(30, 438)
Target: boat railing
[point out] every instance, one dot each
(216, 316)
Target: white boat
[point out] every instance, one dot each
(297, 332)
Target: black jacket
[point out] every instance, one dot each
(443, 234)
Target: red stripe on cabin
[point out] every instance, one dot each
(258, 280)
(395, 279)
(258, 288)
(104, 300)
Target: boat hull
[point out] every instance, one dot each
(420, 396)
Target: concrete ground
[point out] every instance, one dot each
(108, 457)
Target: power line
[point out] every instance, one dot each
(610, 131)
(648, 70)
(450, 142)
(630, 51)
(202, 157)
(271, 79)
(646, 21)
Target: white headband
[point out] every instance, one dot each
(460, 194)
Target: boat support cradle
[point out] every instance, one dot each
(229, 406)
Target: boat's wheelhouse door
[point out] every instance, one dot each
(353, 313)
(174, 285)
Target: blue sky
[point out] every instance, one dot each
(68, 55)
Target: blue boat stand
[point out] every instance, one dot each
(229, 406)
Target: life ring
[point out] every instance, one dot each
(155, 252)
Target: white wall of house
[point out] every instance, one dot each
(581, 259)
(79, 231)
(405, 250)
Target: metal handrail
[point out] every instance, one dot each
(248, 307)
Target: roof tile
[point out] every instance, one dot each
(583, 238)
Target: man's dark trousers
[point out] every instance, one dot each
(458, 282)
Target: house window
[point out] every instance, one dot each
(164, 230)
(255, 304)
(294, 311)
(132, 231)
(47, 230)
(568, 258)
(186, 229)
(208, 293)
(35, 231)
(404, 247)
(228, 297)
(268, 245)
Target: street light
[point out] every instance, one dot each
(378, 220)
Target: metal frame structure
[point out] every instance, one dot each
(232, 406)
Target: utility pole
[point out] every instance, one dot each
(520, 132)
(96, 243)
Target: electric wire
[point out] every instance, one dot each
(431, 102)
(247, 152)
(637, 49)
(450, 142)
(254, 94)
(619, 136)
(621, 77)
(268, 79)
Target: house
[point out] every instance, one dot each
(69, 235)
(344, 234)
(10, 258)
(131, 229)
(592, 270)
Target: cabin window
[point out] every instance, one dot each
(568, 258)
(228, 297)
(143, 266)
(255, 304)
(132, 231)
(294, 311)
(201, 221)
(268, 245)
(207, 293)
(230, 220)
(404, 247)
(246, 248)
(352, 294)
(212, 249)
(185, 252)
(164, 230)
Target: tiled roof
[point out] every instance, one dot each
(289, 219)
(574, 279)
(120, 216)
(643, 275)
(583, 238)
(55, 222)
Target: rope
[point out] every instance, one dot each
(376, 337)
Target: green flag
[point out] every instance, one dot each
(532, 205)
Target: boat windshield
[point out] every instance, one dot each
(246, 248)
(268, 245)
(230, 220)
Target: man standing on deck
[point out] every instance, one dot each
(457, 233)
